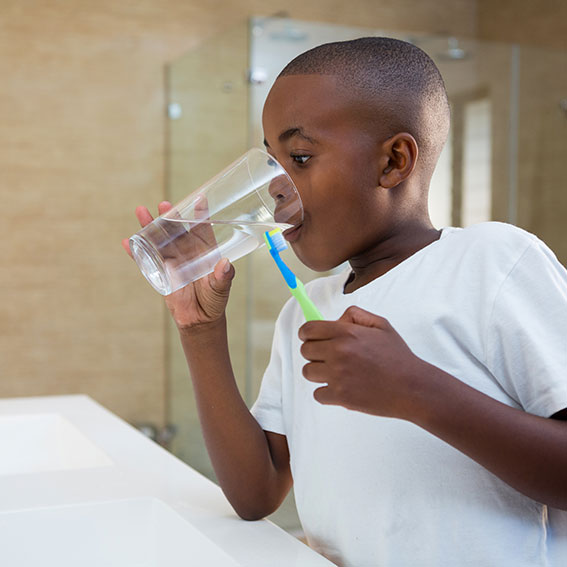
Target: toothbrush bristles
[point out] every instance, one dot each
(278, 241)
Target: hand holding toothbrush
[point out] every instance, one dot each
(363, 364)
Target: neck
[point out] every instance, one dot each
(389, 252)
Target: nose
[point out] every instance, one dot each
(288, 207)
(279, 188)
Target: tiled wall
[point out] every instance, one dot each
(541, 30)
(83, 143)
(542, 146)
(542, 23)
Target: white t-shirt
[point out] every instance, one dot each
(487, 304)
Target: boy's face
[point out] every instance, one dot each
(316, 131)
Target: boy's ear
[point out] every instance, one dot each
(399, 158)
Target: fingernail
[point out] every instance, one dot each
(226, 267)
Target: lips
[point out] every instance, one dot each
(292, 234)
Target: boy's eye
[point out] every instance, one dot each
(271, 162)
(300, 159)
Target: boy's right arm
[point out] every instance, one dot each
(252, 466)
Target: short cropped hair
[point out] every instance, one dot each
(398, 78)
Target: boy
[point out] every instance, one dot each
(423, 422)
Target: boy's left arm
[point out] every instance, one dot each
(366, 366)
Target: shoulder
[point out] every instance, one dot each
(495, 234)
(492, 252)
(487, 242)
(507, 252)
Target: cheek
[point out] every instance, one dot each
(328, 236)
(337, 206)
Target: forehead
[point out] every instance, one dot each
(316, 103)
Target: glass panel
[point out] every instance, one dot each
(207, 129)
(476, 162)
(473, 71)
(440, 201)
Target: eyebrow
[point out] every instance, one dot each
(290, 133)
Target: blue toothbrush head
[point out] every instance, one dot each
(275, 240)
(276, 244)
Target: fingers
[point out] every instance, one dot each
(315, 351)
(144, 218)
(324, 395)
(196, 236)
(143, 215)
(325, 330)
(201, 207)
(316, 372)
(126, 246)
(203, 231)
(331, 348)
(319, 330)
(360, 316)
(164, 206)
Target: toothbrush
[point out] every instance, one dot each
(276, 243)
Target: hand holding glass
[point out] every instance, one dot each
(224, 218)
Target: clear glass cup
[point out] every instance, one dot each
(225, 218)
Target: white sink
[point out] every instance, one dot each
(79, 487)
(37, 443)
(126, 533)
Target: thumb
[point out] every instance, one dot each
(222, 276)
(362, 317)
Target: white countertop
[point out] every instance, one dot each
(80, 487)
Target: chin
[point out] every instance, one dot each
(315, 264)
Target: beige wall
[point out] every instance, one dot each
(82, 143)
(540, 23)
(541, 30)
(542, 147)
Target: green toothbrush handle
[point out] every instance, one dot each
(308, 307)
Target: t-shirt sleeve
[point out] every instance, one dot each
(268, 409)
(526, 339)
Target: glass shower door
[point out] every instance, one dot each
(207, 129)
